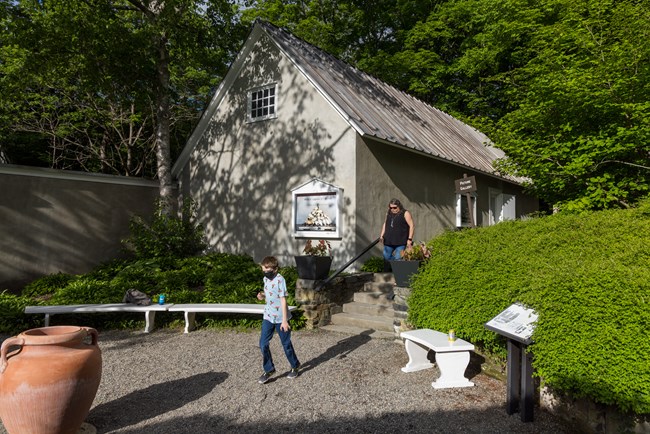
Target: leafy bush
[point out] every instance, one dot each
(587, 277)
(374, 264)
(166, 236)
(47, 285)
(12, 317)
(87, 290)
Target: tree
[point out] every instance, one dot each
(107, 84)
(352, 30)
(562, 87)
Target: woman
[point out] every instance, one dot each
(397, 232)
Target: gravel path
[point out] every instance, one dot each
(206, 382)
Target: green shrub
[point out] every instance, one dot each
(587, 277)
(86, 290)
(47, 285)
(166, 236)
(213, 278)
(374, 264)
(12, 314)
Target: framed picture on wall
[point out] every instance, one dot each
(316, 211)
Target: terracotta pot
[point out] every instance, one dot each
(49, 380)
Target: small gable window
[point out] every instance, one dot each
(261, 103)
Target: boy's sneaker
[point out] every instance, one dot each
(293, 373)
(265, 377)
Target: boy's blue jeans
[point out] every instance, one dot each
(285, 337)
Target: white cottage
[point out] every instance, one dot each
(288, 114)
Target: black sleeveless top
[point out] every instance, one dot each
(396, 230)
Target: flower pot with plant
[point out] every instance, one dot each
(316, 262)
(412, 258)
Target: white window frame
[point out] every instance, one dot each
(460, 200)
(264, 101)
(502, 207)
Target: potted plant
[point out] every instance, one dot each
(412, 258)
(316, 262)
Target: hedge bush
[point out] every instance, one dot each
(587, 276)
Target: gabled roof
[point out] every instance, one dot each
(373, 108)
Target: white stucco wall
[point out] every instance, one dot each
(241, 174)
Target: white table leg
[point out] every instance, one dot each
(452, 367)
(189, 321)
(417, 357)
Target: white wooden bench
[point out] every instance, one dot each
(452, 357)
(149, 311)
(190, 310)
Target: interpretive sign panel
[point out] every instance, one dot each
(316, 210)
(516, 322)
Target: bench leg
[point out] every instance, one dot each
(189, 321)
(149, 318)
(417, 357)
(47, 320)
(452, 367)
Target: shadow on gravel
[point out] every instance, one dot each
(339, 350)
(146, 403)
(469, 421)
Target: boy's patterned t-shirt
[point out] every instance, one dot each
(274, 289)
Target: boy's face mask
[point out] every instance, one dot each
(269, 274)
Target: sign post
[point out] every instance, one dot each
(467, 185)
(517, 323)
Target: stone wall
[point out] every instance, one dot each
(319, 305)
(590, 417)
(401, 310)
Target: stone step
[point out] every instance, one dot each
(379, 298)
(369, 309)
(351, 330)
(385, 287)
(383, 277)
(379, 323)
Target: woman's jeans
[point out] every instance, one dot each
(393, 253)
(285, 337)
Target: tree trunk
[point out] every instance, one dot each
(163, 115)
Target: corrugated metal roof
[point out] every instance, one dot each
(379, 110)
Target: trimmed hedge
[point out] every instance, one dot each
(588, 278)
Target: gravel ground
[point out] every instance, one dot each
(206, 382)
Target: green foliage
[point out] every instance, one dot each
(585, 274)
(212, 278)
(12, 314)
(89, 106)
(87, 290)
(374, 264)
(559, 85)
(46, 285)
(166, 236)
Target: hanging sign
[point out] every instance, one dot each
(465, 185)
(316, 211)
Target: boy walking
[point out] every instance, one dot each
(276, 317)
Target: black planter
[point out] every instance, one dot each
(403, 270)
(313, 267)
